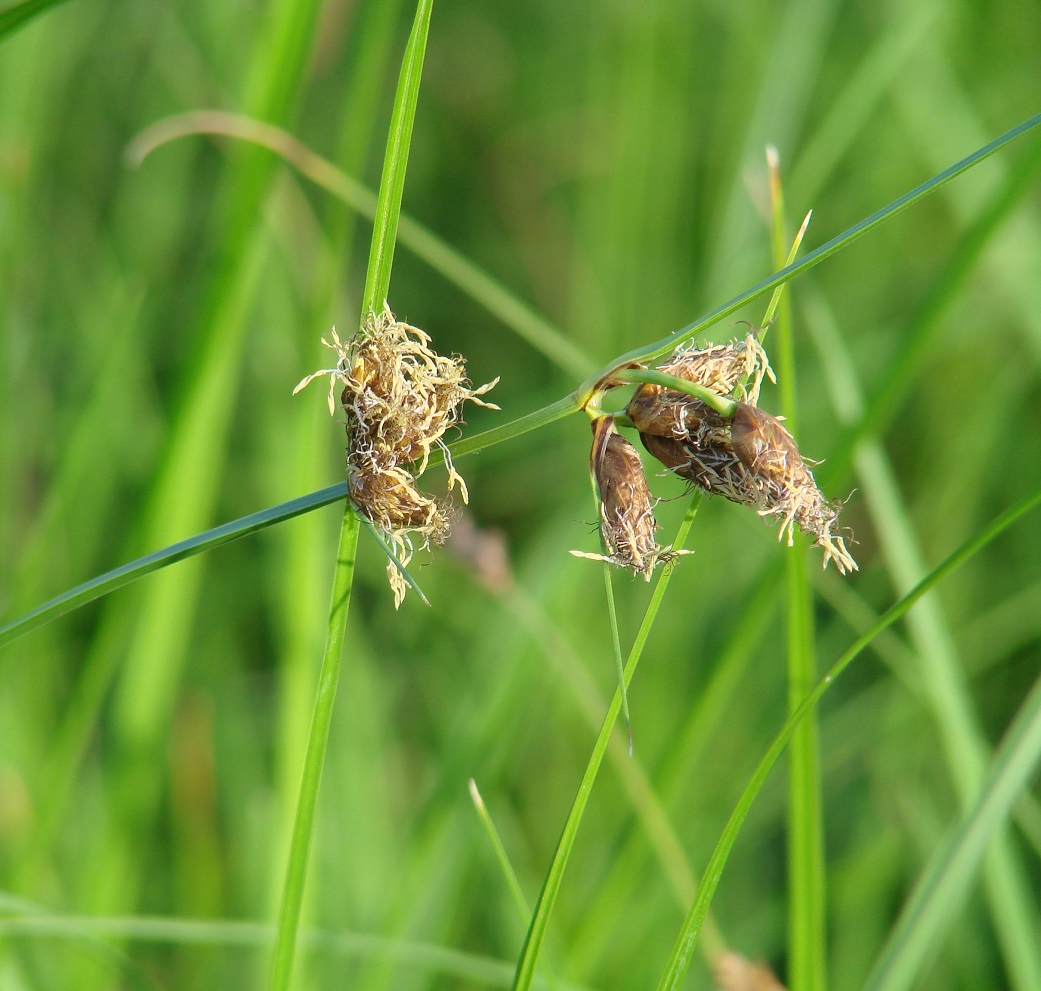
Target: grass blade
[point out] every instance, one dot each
(108, 582)
(955, 865)
(15, 17)
(392, 181)
(815, 257)
(525, 974)
(377, 282)
(806, 871)
(679, 961)
(423, 242)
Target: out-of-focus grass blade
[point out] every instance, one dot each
(21, 919)
(15, 17)
(676, 969)
(500, 853)
(424, 243)
(815, 257)
(955, 865)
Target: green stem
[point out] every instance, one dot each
(650, 351)
(377, 282)
(554, 876)
(673, 977)
(807, 966)
(651, 376)
(314, 758)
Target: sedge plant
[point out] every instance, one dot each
(754, 461)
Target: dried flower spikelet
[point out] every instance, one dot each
(781, 484)
(399, 397)
(751, 460)
(723, 368)
(627, 521)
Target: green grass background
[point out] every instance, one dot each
(604, 165)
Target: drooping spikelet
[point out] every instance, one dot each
(750, 459)
(782, 486)
(399, 397)
(627, 521)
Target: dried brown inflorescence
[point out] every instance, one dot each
(749, 458)
(399, 397)
(627, 521)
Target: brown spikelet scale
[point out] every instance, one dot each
(723, 368)
(627, 521)
(399, 397)
(750, 459)
(781, 484)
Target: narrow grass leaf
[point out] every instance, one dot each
(101, 585)
(523, 908)
(377, 283)
(402, 570)
(528, 960)
(679, 961)
(30, 922)
(20, 14)
(421, 241)
(392, 181)
(815, 257)
(955, 865)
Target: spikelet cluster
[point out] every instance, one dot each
(749, 458)
(399, 398)
(627, 521)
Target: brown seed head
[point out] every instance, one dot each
(399, 397)
(782, 486)
(752, 459)
(723, 368)
(627, 521)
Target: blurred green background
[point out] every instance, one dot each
(605, 164)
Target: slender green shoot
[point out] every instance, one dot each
(389, 551)
(526, 964)
(616, 649)
(314, 759)
(652, 376)
(806, 930)
(679, 961)
(109, 581)
(377, 284)
(523, 908)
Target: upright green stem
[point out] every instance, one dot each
(525, 973)
(806, 936)
(314, 758)
(377, 282)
